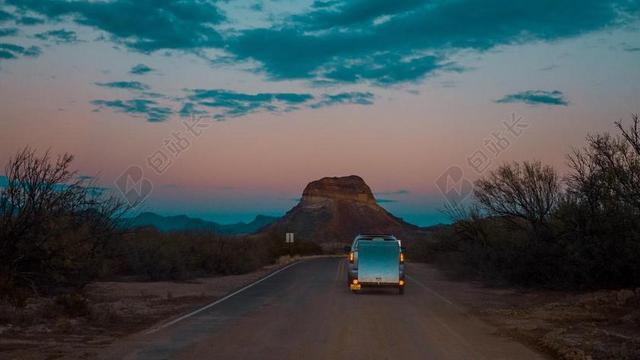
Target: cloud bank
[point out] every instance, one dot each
(13, 51)
(60, 36)
(128, 85)
(536, 97)
(143, 25)
(379, 42)
(149, 109)
(140, 69)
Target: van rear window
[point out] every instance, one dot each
(377, 238)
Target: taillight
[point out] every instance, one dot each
(351, 257)
(401, 258)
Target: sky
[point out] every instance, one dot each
(226, 109)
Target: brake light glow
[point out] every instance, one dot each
(351, 257)
(401, 258)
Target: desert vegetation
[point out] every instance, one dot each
(59, 231)
(72, 267)
(148, 254)
(54, 225)
(530, 226)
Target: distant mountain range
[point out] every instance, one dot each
(331, 210)
(183, 222)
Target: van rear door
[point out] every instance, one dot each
(378, 262)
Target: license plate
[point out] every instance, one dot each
(355, 286)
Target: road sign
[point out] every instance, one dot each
(289, 238)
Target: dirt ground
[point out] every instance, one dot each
(46, 329)
(594, 325)
(565, 325)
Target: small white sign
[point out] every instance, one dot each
(289, 238)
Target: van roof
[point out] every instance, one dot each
(371, 236)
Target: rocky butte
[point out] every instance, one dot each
(336, 209)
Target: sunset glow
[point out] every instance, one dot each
(289, 92)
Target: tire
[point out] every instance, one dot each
(400, 290)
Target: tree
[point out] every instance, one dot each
(528, 191)
(53, 223)
(632, 134)
(605, 175)
(600, 215)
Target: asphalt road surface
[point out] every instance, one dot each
(306, 311)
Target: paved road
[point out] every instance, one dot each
(307, 312)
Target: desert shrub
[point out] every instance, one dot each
(527, 227)
(528, 191)
(72, 304)
(153, 255)
(59, 231)
(599, 216)
(507, 236)
(502, 254)
(438, 246)
(53, 224)
(104, 315)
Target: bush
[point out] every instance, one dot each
(58, 231)
(72, 304)
(53, 225)
(153, 255)
(525, 230)
(527, 192)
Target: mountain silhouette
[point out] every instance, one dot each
(183, 222)
(336, 209)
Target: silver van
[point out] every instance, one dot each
(376, 261)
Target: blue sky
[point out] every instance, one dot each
(394, 91)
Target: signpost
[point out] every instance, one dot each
(289, 240)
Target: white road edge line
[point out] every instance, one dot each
(431, 291)
(174, 321)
